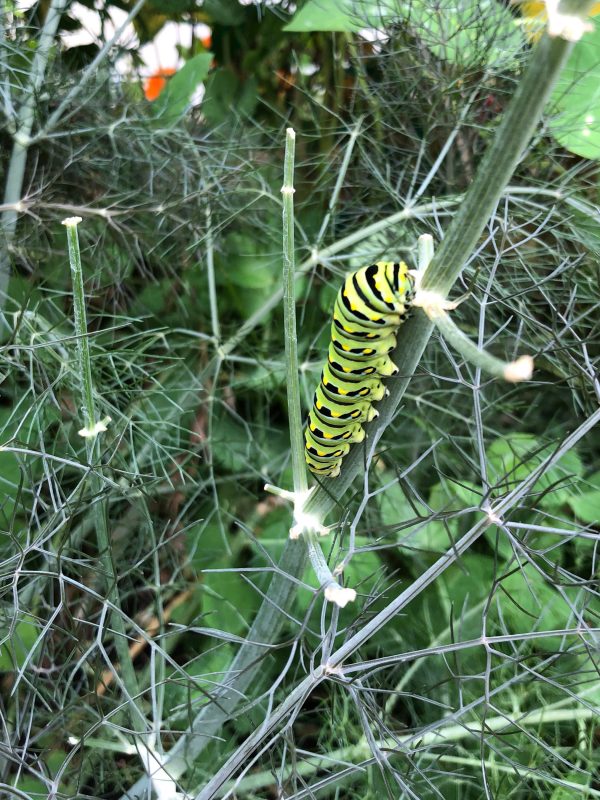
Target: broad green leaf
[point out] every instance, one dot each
(326, 15)
(467, 32)
(576, 99)
(231, 443)
(204, 673)
(176, 97)
(226, 96)
(327, 297)
(466, 583)
(586, 505)
(394, 509)
(248, 265)
(249, 270)
(15, 650)
(224, 12)
(527, 602)
(364, 568)
(513, 458)
(463, 32)
(228, 601)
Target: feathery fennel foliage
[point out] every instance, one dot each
(188, 648)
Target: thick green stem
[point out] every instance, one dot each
(513, 371)
(498, 164)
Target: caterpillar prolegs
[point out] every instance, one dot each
(370, 306)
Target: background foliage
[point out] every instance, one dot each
(486, 684)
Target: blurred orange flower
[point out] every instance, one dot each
(154, 85)
(207, 41)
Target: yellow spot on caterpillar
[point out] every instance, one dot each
(343, 391)
(334, 414)
(345, 347)
(327, 435)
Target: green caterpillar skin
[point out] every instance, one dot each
(370, 306)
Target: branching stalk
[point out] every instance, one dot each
(22, 139)
(334, 665)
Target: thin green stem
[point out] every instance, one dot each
(88, 406)
(335, 662)
(339, 182)
(210, 272)
(453, 733)
(304, 527)
(289, 316)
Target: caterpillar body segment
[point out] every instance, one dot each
(326, 434)
(341, 366)
(370, 306)
(351, 348)
(343, 388)
(340, 414)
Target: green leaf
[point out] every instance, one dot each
(511, 459)
(467, 32)
(224, 12)
(228, 602)
(576, 98)
(226, 96)
(586, 506)
(15, 650)
(326, 15)
(231, 442)
(346, 16)
(394, 509)
(174, 101)
(459, 31)
(466, 583)
(527, 602)
(247, 265)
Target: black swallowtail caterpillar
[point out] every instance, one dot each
(371, 305)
